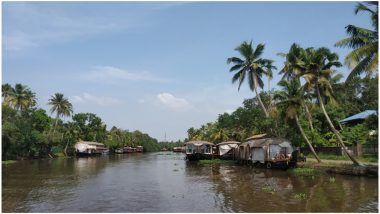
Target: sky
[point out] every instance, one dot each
(157, 67)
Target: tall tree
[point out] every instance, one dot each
(291, 97)
(251, 66)
(317, 69)
(364, 57)
(291, 70)
(61, 106)
(21, 97)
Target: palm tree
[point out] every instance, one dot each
(293, 61)
(252, 66)
(364, 57)
(6, 91)
(21, 97)
(291, 97)
(317, 70)
(61, 106)
(71, 135)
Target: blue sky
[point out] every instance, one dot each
(156, 66)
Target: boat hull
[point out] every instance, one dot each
(198, 156)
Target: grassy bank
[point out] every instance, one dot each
(8, 162)
(217, 161)
(337, 167)
(363, 158)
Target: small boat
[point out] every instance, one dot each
(227, 150)
(119, 151)
(106, 152)
(199, 150)
(139, 149)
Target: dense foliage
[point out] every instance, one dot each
(29, 132)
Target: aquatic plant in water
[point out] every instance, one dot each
(300, 196)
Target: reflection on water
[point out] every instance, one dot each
(164, 182)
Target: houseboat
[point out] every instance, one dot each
(198, 150)
(227, 150)
(139, 149)
(85, 148)
(266, 151)
(179, 149)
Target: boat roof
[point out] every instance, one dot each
(258, 136)
(195, 142)
(265, 141)
(228, 142)
(91, 143)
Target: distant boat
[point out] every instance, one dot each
(119, 151)
(198, 150)
(179, 149)
(139, 149)
(86, 148)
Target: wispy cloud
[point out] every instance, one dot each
(110, 74)
(27, 25)
(87, 98)
(175, 103)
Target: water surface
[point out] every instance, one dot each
(165, 182)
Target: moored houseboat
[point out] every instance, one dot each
(139, 149)
(198, 150)
(85, 148)
(267, 151)
(179, 149)
(227, 150)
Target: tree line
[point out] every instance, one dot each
(311, 99)
(29, 132)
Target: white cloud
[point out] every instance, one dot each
(87, 98)
(112, 74)
(173, 102)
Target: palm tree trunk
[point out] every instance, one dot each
(307, 140)
(56, 122)
(337, 134)
(261, 103)
(308, 115)
(65, 150)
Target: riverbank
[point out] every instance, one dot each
(341, 167)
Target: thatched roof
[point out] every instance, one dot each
(267, 141)
(259, 136)
(198, 143)
(228, 142)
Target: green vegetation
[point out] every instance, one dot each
(29, 132)
(8, 162)
(307, 114)
(305, 172)
(217, 161)
(300, 196)
(269, 189)
(363, 158)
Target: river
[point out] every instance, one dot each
(165, 182)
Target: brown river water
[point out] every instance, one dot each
(165, 182)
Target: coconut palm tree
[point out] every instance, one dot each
(291, 97)
(61, 106)
(317, 70)
(293, 61)
(21, 97)
(364, 57)
(292, 68)
(6, 91)
(251, 66)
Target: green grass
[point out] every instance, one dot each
(217, 161)
(305, 172)
(363, 158)
(8, 162)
